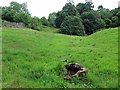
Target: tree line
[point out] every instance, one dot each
(16, 12)
(81, 19)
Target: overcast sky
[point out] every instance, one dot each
(41, 8)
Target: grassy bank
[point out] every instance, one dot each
(32, 58)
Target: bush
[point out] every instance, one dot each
(72, 25)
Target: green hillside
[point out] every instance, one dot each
(32, 58)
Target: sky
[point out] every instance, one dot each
(42, 8)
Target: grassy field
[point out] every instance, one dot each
(0, 57)
(31, 59)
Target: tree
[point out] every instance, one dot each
(72, 25)
(68, 10)
(22, 17)
(116, 17)
(82, 7)
(91, 21)
(105, 13)
(18, 7)
(0, 13)
(59, 18)
(90, 4)
(51, 19)
(108, 22)
(15, 6)
(15, 12)
(115, 21)
(34, 23)
(100, 8)
(7, 14)
(24, 8)
(44, 21)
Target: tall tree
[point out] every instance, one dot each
(44, 21)
(90, 4)
(100, 8)
(68, 10)
(91, 21)
(7, 14)
(82, 7)
(59, 18)
(72, 25)
(51, 19)
(34, 23)
(18, 7)
(10, 13)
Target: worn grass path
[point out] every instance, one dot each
(31, 58)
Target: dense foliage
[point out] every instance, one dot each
(69, 20)
(82, 7)
(44, 21)
(92, 19)
(51, 19)
(72, 26)
(88, 19)
(19, 13)
(15, 12)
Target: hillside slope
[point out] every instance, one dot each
(32, 58)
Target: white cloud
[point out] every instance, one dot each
(41, 8)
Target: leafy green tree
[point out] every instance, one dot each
(105, 13)
(51, 19)
(82, 7)
(116, 17)
(72, 25)
(59, 18)
(22, 17)
(108, 22)
(15, 12)
(91, 21)
(34, 23)
(7, 14)
(0, 13)
(90, 4)
(44, 21)
(24, 8)
(100, 8)
(68, 10)
(15, 6)
(115, 21)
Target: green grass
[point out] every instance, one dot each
(0, 59)
(32, 59)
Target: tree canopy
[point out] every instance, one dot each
(81, 19)
(72, 25)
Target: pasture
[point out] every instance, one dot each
(31, 59)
